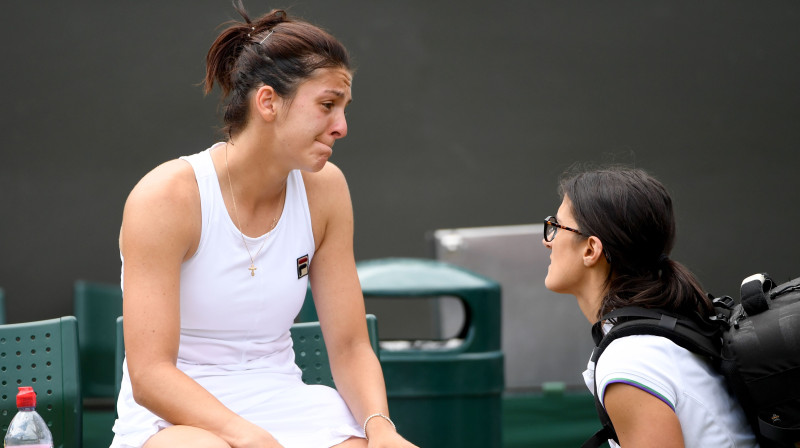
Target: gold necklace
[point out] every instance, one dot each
(252, 267)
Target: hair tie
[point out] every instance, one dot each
(663, 259)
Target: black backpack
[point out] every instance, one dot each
(755, 345)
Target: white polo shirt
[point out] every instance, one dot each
(708, 414)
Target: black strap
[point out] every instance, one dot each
(597, 440)
(607, 431)
(777, 433)
(701, 338)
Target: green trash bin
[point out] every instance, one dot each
(443, 397)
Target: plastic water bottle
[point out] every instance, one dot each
(27, 428)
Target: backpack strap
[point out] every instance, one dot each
(600, 437)
(607, 431)
(703, 339)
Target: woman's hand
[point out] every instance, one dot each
(390, 441)
(382, 434)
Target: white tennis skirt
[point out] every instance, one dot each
(296, 414)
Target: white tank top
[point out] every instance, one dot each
(230, 318)
(235, 328)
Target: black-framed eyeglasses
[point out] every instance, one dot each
(551, 227)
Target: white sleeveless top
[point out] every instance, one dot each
(234, 336)
(227, 315)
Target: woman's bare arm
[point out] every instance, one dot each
(161, 227)
(640, 419)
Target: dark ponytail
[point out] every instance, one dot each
(273, 50)
(632, 215)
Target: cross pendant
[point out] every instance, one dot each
(252, 270)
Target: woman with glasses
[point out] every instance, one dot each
(610, 242)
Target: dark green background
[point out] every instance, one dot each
(465, 113)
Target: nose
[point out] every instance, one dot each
(339, 128)
(547, 244)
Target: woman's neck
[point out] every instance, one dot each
(590, 296)
(258, 176)
(590, 305)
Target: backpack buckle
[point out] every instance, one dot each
(726, 302)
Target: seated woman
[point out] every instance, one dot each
(218, 249)
(609, 244)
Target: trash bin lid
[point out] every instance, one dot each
(413, 276)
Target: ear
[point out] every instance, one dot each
(593, 252)
(265, 103)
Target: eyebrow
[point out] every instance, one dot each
(338, 93)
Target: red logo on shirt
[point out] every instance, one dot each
(302, 266)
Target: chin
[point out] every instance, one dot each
(317, 167)
(552, 286)
(548, 281)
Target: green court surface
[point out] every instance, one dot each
(560, 419)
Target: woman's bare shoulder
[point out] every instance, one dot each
(171, 180)
(326, 184)
(328, 201)
(164, 205)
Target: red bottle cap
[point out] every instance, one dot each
(26, 398)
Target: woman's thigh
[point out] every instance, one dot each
(353, 442)
(185, 436)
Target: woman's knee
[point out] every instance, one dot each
(185, 436)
